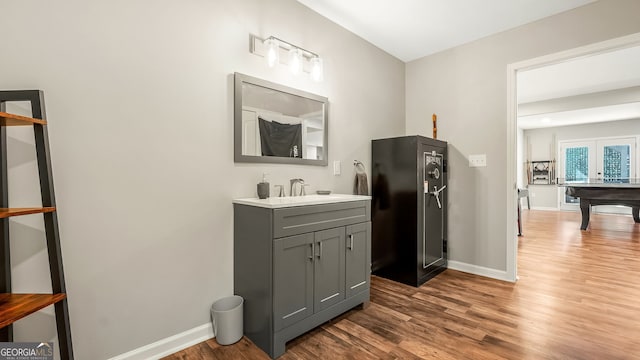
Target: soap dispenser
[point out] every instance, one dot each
(263, 187)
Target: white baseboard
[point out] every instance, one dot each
(544, 208)
(478, 270)
(170, 345)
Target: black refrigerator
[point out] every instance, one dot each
(409, 208)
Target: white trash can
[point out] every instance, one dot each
(226, 314)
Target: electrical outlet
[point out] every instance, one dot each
(336, 167)
(478, 160)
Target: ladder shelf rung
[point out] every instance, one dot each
(8, 212)
(7, 119)
(14, 307)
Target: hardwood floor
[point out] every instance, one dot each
(578, 297)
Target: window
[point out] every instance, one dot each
(577, 164)
(616, 163)
(608, 160)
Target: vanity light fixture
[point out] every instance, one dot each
(295, 61)
(316, 69)
(273, 52)
(299, 60)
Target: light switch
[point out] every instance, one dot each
(479, 160)
(336, 167)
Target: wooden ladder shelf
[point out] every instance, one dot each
(14, 307)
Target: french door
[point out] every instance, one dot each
(616, 160)
(609, 160)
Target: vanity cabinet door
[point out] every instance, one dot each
(358, 250)
(293, 259)
(329, 268)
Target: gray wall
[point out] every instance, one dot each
(139, 98)
(545, 196)
(466, 87)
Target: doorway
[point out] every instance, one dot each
(512, 126)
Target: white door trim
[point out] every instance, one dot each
(512, 106)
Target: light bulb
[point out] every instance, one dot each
(273, 52)
(316, 69)
(295, 61)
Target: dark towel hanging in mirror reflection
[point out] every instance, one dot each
(284, 140)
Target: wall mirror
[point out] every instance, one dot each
(274, 123)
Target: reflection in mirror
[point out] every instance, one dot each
(274, 123)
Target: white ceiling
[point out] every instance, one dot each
(602, 72)
(411, 29)
(596, 74)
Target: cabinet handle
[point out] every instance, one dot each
(351, 242)
(320, 252)
(312, 251)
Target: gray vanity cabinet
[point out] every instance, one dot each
(298, 267)
(292, 279)
(308, 274)
(358, 258)
(329, 267)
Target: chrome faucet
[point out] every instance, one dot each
(293, 183)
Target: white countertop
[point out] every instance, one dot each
(291, 201)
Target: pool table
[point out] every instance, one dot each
(601, 192)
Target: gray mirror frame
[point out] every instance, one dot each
(239, 79)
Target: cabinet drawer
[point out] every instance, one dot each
(303, 219)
